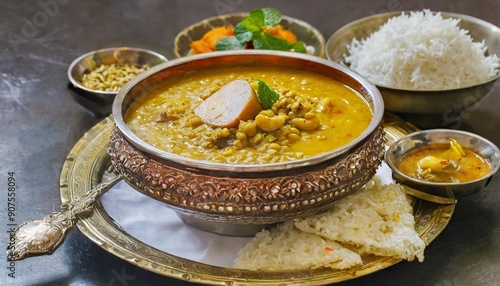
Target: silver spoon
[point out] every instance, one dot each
(43, 236)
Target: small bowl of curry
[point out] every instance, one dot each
(444, 162)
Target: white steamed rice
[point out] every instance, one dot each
(422, 51)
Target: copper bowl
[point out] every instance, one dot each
(243, 199)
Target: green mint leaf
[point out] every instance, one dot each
(272, 17)
(261, 18)
(228, 43)
(242, 34)
(254, 22)
(298, 47)
(257, 17)
(267, 96)
(269, 42)
(250, 29)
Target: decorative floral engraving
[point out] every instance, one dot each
(298, 192)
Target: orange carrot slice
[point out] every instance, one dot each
(229, 105)
(207, 42)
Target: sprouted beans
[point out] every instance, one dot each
(111, 77)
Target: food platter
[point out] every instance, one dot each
(87, 165)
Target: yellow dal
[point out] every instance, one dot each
(343, 113)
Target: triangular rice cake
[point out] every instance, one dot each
(377, 219)
(284, 247)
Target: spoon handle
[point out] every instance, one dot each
(428, 197)
(43, 236)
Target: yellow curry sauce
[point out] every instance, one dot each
(443, 163)
(164, 117)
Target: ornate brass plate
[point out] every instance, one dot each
(86, 166)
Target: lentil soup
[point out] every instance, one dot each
(316, 114)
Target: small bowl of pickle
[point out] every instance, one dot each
(445, 163)
(98, 75)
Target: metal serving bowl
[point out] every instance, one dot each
(424, 108)
(243, 199)
(121, 55)
(304, 32)
(420, 139)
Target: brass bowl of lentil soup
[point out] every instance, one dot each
(241, 197)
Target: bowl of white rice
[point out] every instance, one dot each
(429, 66)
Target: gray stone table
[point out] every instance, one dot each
(40, 122)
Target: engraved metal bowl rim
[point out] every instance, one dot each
(385, 16)
(369, 88)
(317, 34)
(436, 188)
(77, 84)
(236, 205)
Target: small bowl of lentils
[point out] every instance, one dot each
(102, 73)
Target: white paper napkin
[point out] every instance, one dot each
(158, 226)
